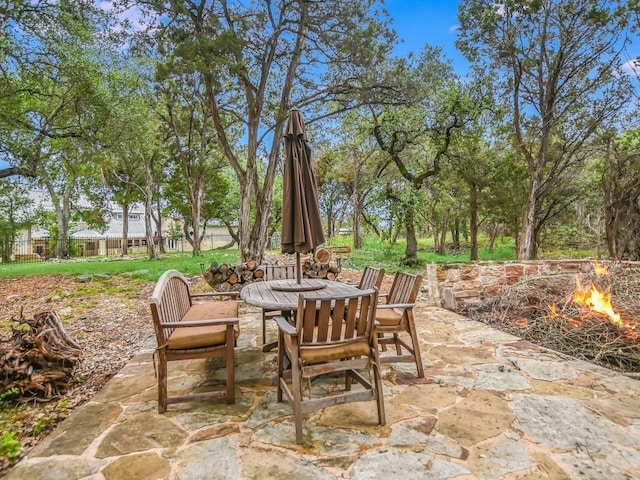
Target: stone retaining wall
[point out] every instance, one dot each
(456, 285)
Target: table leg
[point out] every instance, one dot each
(268, 346)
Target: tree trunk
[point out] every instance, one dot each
(148, 204)
(253, 244)
(196, 191)
(62, 205)
(473, 214)
(443, 234)
(527, 238)
(411, 251)
(492, 236)
(330, 223)
(124, 241)
(455, 233)
(158, 220)
(611, 213)
(435, 231)
(357, 214)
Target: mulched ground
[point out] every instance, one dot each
(109, 327)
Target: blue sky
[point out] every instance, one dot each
(435, 22)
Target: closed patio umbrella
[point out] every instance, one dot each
(302, 228)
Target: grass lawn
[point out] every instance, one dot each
(375, 253)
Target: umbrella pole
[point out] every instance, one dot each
(298, 268)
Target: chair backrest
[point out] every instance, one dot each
(371, 277)
(404, 288)
(279, 272)
(170, 301)
(322, 320)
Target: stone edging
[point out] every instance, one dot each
(457, 285)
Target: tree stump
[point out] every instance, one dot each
(38, 358)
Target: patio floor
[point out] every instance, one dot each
(491, 407)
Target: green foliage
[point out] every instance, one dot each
(14, 215)
(43, 424)
(390, 255)
(8, 395)
(533, 48)
(10, 446)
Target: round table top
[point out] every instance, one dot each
(284, 294)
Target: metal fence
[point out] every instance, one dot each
(42, 249)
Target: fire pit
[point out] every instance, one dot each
(590, 316)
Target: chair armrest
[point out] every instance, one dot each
(214, 294)
(286, 327)
(383, 296)
(201, 323)
(396, 305)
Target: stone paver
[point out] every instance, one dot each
(491, 407)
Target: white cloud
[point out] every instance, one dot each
(632, 67)
(132, 15)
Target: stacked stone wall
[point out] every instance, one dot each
(457, 285)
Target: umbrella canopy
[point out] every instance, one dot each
(301, 223)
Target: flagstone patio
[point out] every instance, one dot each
(491, 406)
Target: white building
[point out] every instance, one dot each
(90, 242)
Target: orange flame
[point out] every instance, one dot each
(600, 269)
(596, 301)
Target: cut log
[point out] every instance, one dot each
(233, 277)
(247, 277)
(322, 255)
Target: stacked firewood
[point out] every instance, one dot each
(224, 277)
(38, 359)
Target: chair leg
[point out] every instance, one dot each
(297, 399)
(416, 345)
(230, 361)
(162, 381)
(379, 394)
(398, 345)
(383, 346)
(280, 365)
(264, 328)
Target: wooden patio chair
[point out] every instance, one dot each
(186, 329)
(331, 335)
(371, 277)
(275, 272)
(395, 316)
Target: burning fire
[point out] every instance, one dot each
(595, 301)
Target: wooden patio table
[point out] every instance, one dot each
(284, 294)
